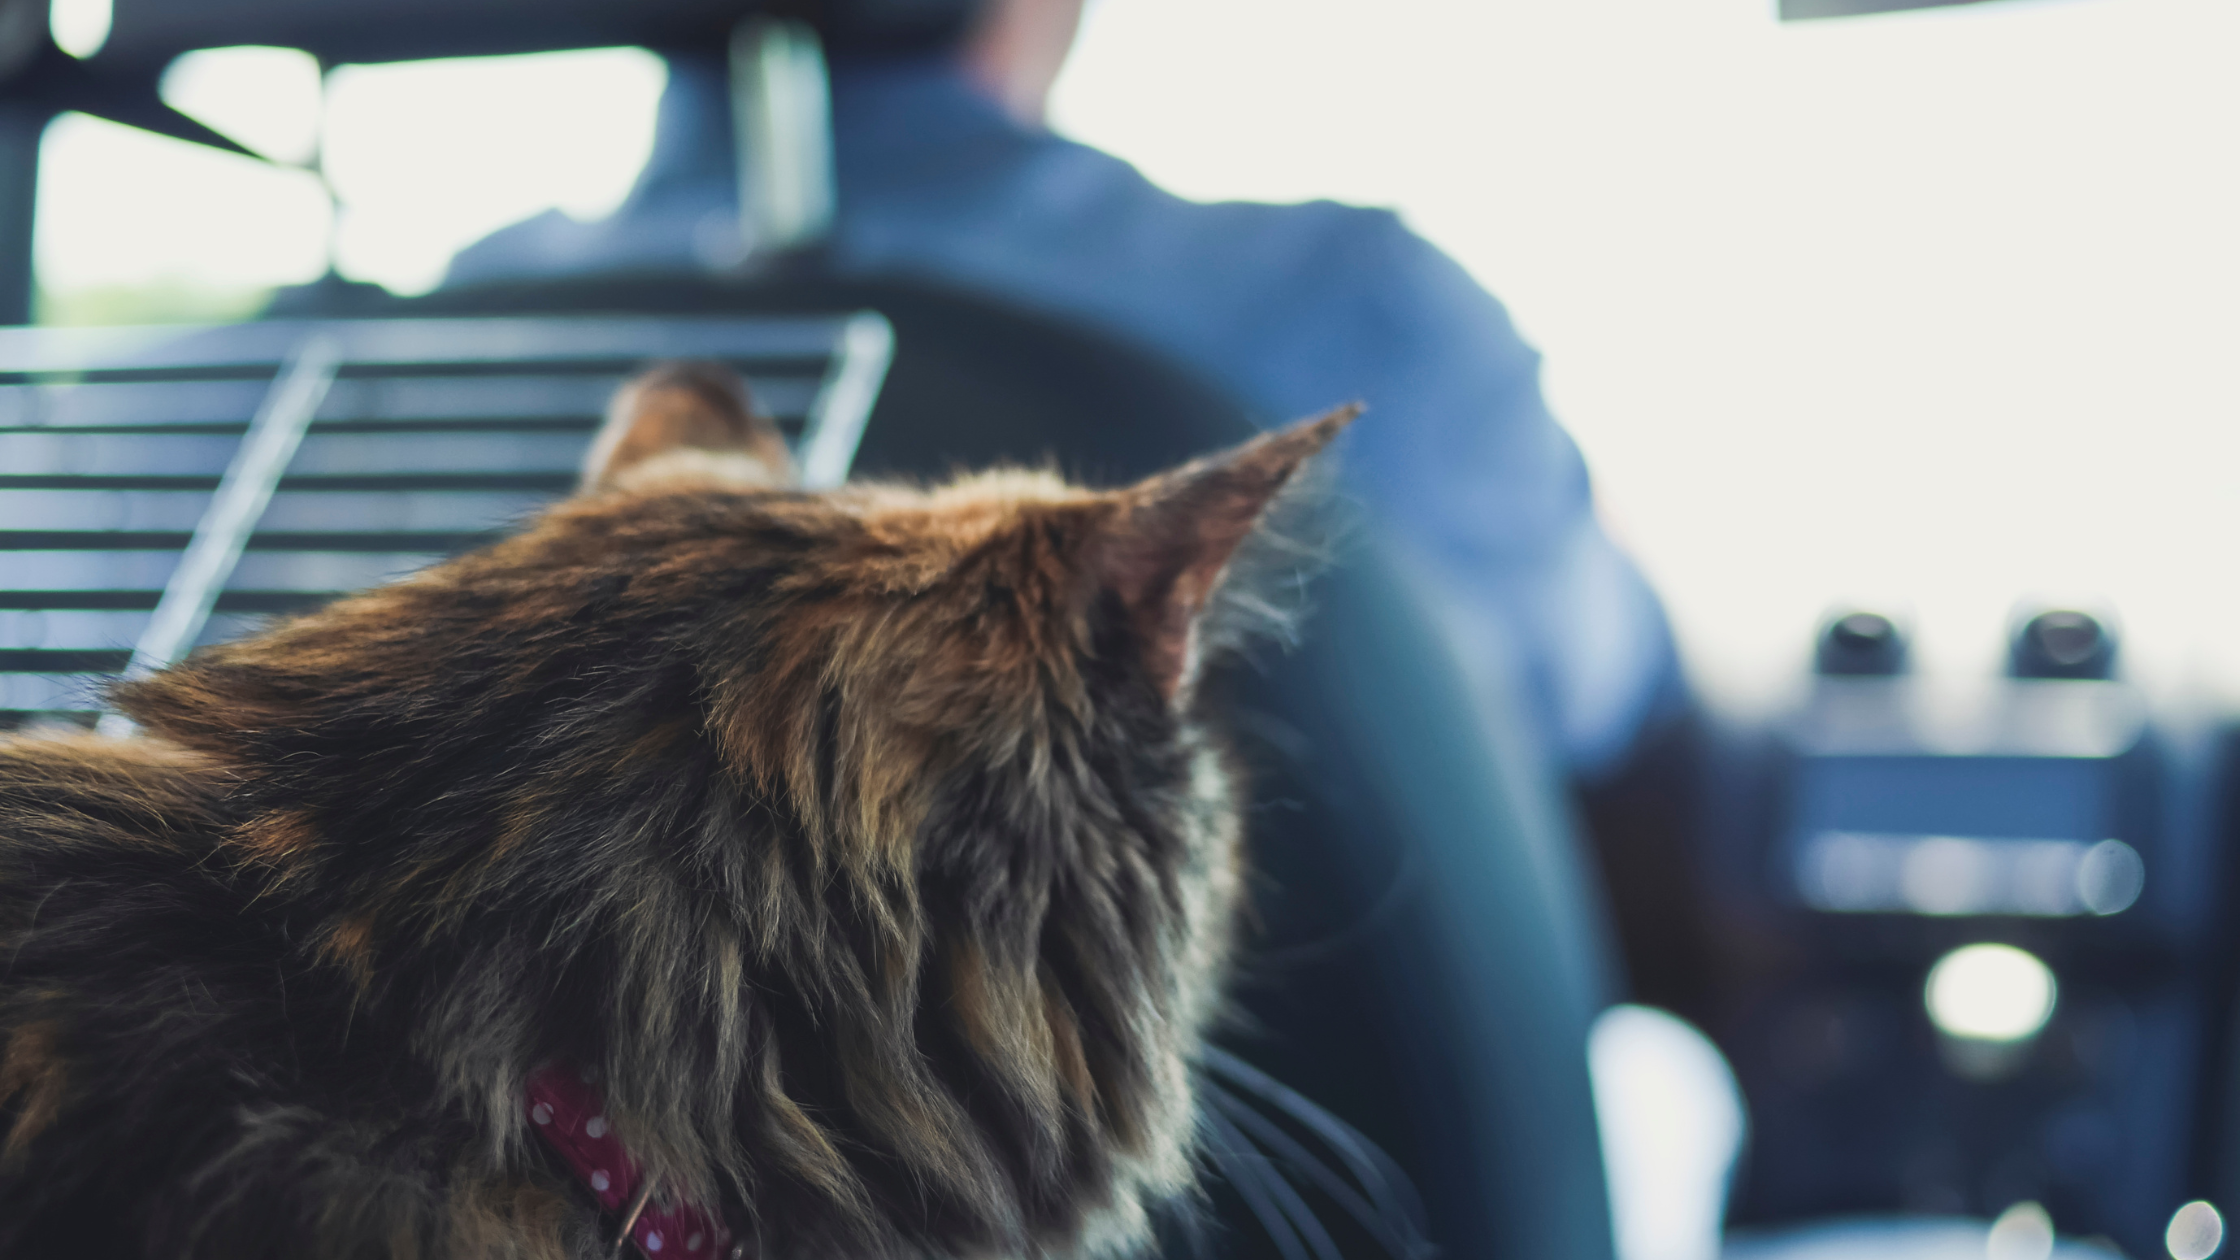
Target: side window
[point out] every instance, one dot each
(427, 157)
(133, 227)
(380, 172)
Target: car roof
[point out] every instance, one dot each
(149, 33)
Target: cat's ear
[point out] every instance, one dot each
(1171, 544)
(685, 420)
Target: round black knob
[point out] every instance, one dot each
(2063, 643)
(1863, 644)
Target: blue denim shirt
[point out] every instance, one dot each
(1294, 308)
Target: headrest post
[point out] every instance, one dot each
(781, 107)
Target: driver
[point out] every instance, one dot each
(945, 170)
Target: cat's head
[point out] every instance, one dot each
(872, 844)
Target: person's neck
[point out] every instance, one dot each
(1016, 59)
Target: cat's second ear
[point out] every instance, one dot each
(687, 421)
(1170, 546)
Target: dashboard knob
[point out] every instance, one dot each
(1861, 644)
(2063, 643)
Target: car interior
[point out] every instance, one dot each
(1866, 907)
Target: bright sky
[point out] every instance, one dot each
(1933, 310)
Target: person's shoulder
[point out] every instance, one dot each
(1328, 245)
(1338, 234)
(1368, 249)
(1363, 264)
(1055, 152)
(1306, 288)
(1317, 224)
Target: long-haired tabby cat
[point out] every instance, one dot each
(731, 869)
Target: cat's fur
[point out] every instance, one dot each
(869, 846)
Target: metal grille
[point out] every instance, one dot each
(325, 456)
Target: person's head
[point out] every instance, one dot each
(1016, 49)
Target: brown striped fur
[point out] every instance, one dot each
(870, 845)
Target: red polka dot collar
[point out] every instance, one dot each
(565, 1107)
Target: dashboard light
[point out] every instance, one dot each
(1861, 872)
(2110, 878)
(2022, 1232)
(2196, 1231)
(1990, 993)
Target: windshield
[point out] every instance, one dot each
(1931, 309)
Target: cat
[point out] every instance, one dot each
(711, 868)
